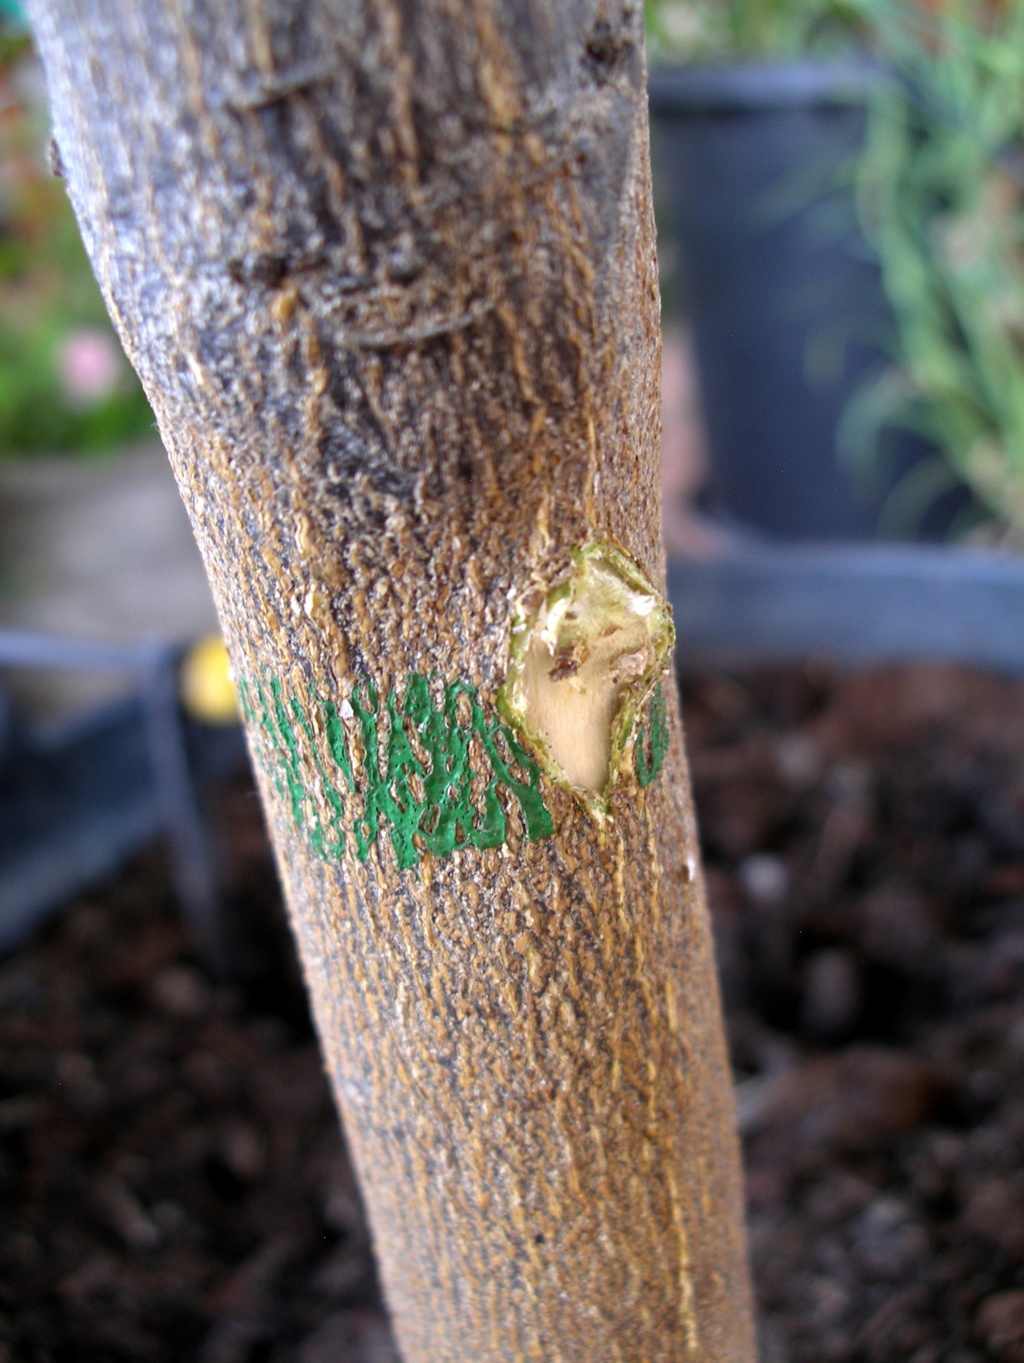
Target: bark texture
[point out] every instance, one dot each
(386, 269)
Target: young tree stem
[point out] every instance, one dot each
(387, 273)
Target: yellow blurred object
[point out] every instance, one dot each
(207, 687)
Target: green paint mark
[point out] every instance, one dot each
(430, 766)
(292, 760)
(427, 792)
(652, 740)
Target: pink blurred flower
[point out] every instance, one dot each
(90, 365)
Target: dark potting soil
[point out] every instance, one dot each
(173, 1185)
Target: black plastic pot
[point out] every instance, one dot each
(754, 180)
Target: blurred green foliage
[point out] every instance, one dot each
(941, 193)
(49, 302)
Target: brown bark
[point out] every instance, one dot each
(386, 270)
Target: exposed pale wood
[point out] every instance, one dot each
(598, 641)
(387, 273)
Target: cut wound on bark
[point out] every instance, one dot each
(583, 661)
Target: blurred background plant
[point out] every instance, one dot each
(65, 386)
(941, 196)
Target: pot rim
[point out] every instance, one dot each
(755, 86)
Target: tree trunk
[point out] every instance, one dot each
(387, 273)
